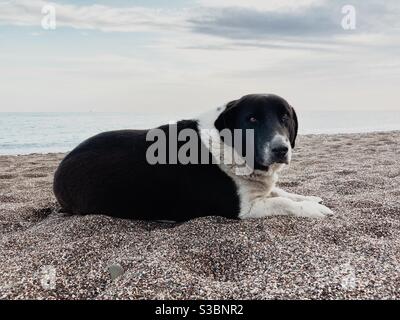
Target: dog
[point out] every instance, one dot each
(111, 173)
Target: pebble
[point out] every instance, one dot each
(115, 271)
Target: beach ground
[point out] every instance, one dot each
(45, 254)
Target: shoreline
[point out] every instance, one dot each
(300, 135)
(353, 255)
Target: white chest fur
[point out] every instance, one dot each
(250, 188)
(255, 187)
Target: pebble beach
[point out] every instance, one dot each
(46, 254)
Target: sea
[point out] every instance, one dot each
(26, 133)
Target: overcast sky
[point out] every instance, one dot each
(181, 56)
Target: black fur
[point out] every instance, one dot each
(108, 174)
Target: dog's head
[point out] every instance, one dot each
(273, 121)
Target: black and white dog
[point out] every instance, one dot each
(111, 174)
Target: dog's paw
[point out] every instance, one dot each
(313, 199)
(313, 210)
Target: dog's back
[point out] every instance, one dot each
(109, 174)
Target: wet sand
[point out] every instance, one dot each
(45, 254)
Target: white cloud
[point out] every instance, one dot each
(265, 21)
(99, 17)
(267, 5)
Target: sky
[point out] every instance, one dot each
(187, 56)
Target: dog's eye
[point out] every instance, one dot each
(285, 118)
(253, 119)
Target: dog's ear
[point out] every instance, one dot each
(223, 120)
(293, 128)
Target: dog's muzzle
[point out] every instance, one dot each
(280, 153)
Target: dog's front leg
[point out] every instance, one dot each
(274, 206)
(277, 192)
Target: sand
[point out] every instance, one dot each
(45, 254)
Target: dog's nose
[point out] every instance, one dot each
(280, 151)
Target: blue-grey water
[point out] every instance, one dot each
(24, 133)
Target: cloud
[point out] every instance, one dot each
(269, 5)
(93, 17)
(314, 19)
(226, 24)
(229, 19)
(241, 23)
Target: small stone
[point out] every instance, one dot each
(115, 271)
